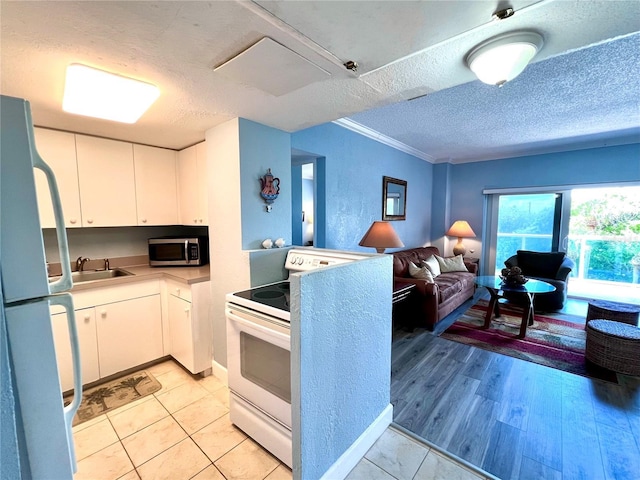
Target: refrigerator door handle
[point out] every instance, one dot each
(66, 301)
(65, 282)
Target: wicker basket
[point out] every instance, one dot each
(620, 312)
(614, 345)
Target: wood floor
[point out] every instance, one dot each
(512, 418)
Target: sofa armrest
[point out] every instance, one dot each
(565, 269)
(472, 267)
(512, 261)
(424, 288)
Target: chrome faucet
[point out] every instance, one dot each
(80, 262)
(106, 264)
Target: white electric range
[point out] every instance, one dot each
(259, 352)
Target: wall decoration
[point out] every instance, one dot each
(394, 199)
(270, 186)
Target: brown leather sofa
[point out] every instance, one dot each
(429, 303)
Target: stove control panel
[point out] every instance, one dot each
(303, 260)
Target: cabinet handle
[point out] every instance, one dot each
(87, 318)
(186, 310)
(144, 220)
(103, 313)
(73, 221)
(89, 220)
(195, 220)
(178, 291)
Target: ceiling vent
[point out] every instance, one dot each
(272, 68)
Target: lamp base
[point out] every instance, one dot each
(459, 248)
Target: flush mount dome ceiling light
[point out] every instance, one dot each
(96, 93)
(503, 58)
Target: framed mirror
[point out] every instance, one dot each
(394, 198)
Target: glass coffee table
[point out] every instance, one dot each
(496, 288)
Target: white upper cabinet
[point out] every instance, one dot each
(156, 187)
(203, 194)
(192, 185)
(106, 174)
(58, 150)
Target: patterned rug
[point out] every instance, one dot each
(103, 398)
(554, 340)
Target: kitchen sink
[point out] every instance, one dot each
(79, 277)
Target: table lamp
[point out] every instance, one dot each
(381, 235)
(460, 229)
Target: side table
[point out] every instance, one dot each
(401, 291)
(400, 302)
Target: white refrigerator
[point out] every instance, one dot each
(36, 437)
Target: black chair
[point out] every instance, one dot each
(550, 267)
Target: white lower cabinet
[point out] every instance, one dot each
(119, 327)
(129, 333)
(86, 326)
(189, 325)
(180, 328)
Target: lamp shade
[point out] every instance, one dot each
(503, 58)
(381, 235)
(460, 229)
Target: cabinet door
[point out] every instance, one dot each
(129, 333)
(156, 188)
(85, 323)
(203, 186)
(58, 150)
(188, 186)
(107, 186)
(181, 331)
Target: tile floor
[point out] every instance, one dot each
(183, 431)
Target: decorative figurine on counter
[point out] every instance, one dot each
(267, 243)
(279, 242)
(270, 188)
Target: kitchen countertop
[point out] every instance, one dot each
(188, 275)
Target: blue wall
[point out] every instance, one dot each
(263, 147)
(355, 166)
(341, 359)
(578, 167)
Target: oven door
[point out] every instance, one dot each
(259, 361)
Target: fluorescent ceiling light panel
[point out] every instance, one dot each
(100, 94)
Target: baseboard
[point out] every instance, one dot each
(220, 372)
(349, 459)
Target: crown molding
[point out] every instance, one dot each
(379, 137)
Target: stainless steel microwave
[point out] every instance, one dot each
(178, 251)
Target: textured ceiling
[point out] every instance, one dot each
(585, 98)
(404, 49)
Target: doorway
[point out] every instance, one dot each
(307, 199)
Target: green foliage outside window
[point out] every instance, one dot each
(611, 213)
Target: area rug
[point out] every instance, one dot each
(556, 340)
(116, 393)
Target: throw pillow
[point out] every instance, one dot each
(451, 264)
(540, 264)
(420, 272)
(433, 265)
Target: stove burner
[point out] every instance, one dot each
(275, 295)
(268, 294)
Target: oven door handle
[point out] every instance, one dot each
(257, 325)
